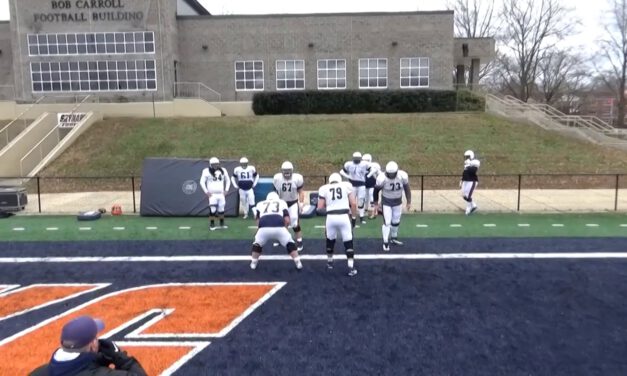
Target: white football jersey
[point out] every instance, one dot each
(245, 177)
(216, 181)
(336, 195)
(356, 171)
(288, 188)
(271, 213)
(392, 189)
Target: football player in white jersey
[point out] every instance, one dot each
(215, 181)
(470, 180)
(355, 171)
(272, 221)
(338, 200)
(371, 180)
(289, 186)
(245, 178)
(392, 184)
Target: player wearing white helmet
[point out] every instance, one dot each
(289, 186)
(355, 171)
(215, 182)
(371, 180)
(338, 200)
(273, 218)
(469, 180)
(391, 184)
(245, 178)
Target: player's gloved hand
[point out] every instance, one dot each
(112, 354)
(353, 222)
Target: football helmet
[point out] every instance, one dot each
(244, 162)
(367, 158)
(356, 157)
(391, 169)
(214, 163)
(272, 196)
(335, 178)
(469, 154)
(287, 169)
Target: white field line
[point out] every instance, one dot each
(557, 225)
(592, 225)
(118, 229)
(84, 229)
(422, 226)
(185, 228)
(455, 225)
(524, 225)
(489, 225)
(52, 229)
(384, 256)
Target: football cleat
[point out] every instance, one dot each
(212, 227)
(329, 264)
(396, 241)
(474, 209)
(386, 247)
(362, 220)
(352, 272)
(253, 265)
(299, 246)
(299, 265)
(224, 227)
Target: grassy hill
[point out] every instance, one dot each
(317, 145)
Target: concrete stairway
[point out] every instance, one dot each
(589, 128)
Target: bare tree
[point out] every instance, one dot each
(476, 19)
(613, 65)
(555, 68)
(531, 28)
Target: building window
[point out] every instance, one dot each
(137, 42)
(249, 75)
(290, 74)
(331, 74)
(124, 75)
(373, 73)
(414, 72)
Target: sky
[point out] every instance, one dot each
(590, 13)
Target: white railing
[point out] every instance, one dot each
(38, 152)
(16, 126)
(196, 90)
(549, 117)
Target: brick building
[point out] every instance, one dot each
(140, 49)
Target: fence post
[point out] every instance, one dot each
(616, 193)
(38, 195)
(422, 190)
(154, 112)
(133, 185)
(519, 184)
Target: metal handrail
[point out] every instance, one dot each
(5, 129)
(38, 147)
(196, 92)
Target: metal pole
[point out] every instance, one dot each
(133, 184)
(422, 190)
(38, 194)
(154, 113)
(519, 184)
(616, 193)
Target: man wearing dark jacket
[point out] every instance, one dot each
(83, 354)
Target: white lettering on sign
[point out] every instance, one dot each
(69, 119)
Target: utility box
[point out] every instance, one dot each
(13, 198)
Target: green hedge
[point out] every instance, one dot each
(365, 101)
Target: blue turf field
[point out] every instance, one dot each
(396, 317)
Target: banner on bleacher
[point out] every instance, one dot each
(69, 119)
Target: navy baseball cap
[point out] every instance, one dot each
(79, 332)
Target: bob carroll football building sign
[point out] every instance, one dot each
(87, 10)
(142, 49)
